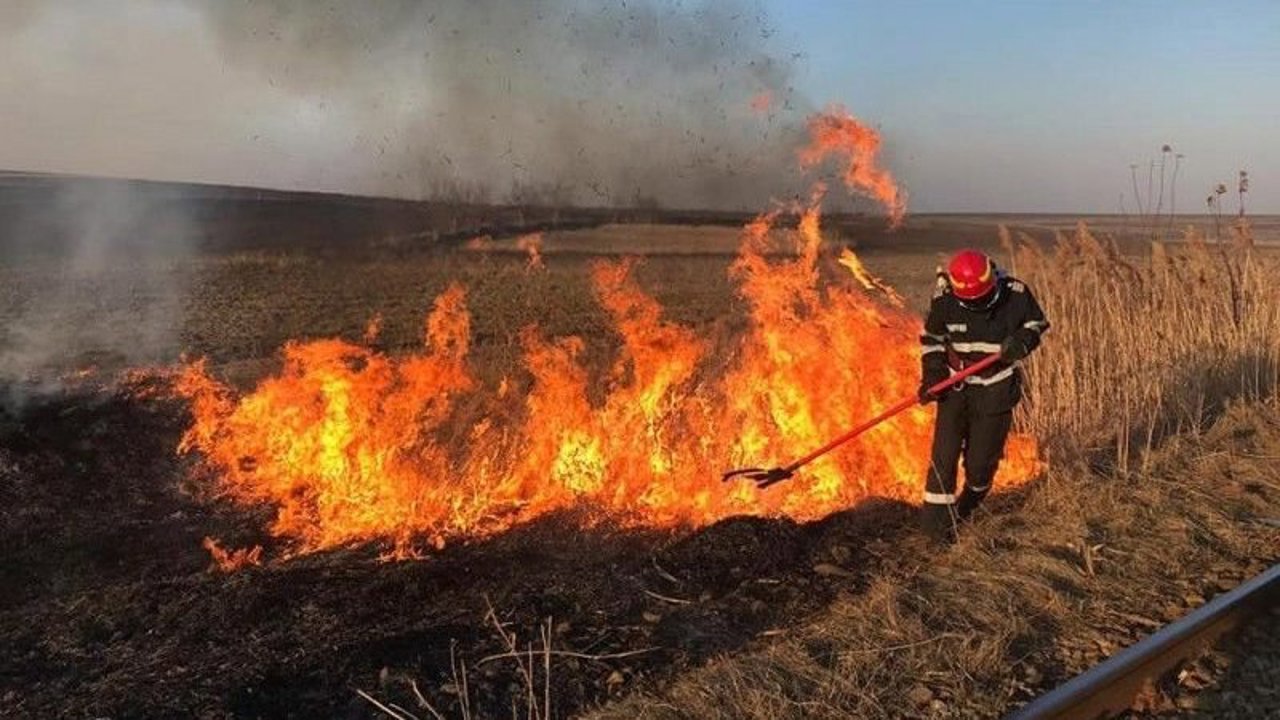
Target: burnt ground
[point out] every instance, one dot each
(108, 607)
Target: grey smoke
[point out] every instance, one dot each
(93, 278)
(553, 100)
(607, 102)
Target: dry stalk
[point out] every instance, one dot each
(524, 662)
(1157, 342)
(522, 654)
(400, 714)
(423, 702)
(666, 599)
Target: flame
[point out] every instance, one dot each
(373, 329)
(532, 244)
(231, 560)
(479, 243)
(851, 261)
(83, 373)
(837, 132)
(350, 445)
(341, 439)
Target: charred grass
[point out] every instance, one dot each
(111, 610)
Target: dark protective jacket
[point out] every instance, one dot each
(956, 336)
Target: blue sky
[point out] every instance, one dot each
(1043, 105)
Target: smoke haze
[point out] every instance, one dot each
(652, 102)
(93, 278)
(550, 100)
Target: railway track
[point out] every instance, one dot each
(1110, 687)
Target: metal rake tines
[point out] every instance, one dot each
(762, 477)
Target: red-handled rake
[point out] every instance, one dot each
(763, 478)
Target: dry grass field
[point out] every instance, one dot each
(238, 309)
(1153, 402)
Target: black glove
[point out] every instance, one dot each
(925, 396)
(1012, 349)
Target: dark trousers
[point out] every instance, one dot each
(964, 428)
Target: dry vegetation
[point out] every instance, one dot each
(1145, 346)
(1154, 398)
(1161, 473)
(1040, 589)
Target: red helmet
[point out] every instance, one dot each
(972, 274)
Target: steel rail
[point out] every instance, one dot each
(1110, 687)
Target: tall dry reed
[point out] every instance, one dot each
(1145, 343)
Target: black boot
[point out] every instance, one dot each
(968, 502)
(938, 524)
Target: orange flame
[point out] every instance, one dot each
(837, 132)
(231, 560)
(340, 440)
(532, 244)
(864, 277)
(373, 329)
(351, 445)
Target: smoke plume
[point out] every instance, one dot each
(539, 100)
(94, 279)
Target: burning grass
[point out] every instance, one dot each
(353, 444)
(346, 441)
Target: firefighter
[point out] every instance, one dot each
(976, 310)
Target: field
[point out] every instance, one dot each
(1159, 474)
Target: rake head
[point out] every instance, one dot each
(762, 477)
